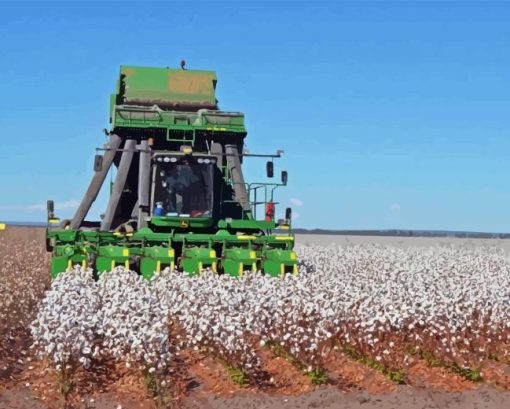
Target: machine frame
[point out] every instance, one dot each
(162, 113)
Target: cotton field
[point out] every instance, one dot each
(23, 279)
(382, 304)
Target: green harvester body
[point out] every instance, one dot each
(179, 199)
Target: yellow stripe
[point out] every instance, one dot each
(289, 238)
(214, 267)
(125, 252)
(54, 220)
(113, 264)
(69, 265)
(254, 267)
(172, 266)
(293, 255)
(241, 271)
(295, 269)
(246, 237)
(126, 264)
(158, 267)
(282, 269)
(84, 264)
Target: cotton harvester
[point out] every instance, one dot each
(179, 198)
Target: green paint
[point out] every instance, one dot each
(194, 259)
(237, 260)
(167, 87)
(176, 107)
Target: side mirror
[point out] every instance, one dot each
(288, 215)
(50, 206)
(98, 163)
(50, 209)
(270, 169)
(285, 177)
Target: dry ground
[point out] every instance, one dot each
(28, 383)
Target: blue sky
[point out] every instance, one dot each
(391, 114)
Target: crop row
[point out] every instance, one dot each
(379, 304)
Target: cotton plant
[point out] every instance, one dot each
(431, 298)
(133, 321)
(289, 315)
(381, 302)
(66, 326)
(67, 322)
(210, 310)
(24, 279)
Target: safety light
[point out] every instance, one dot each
(187, 150)
(270, 210)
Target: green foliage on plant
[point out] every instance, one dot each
(397, 376)
(234, 373)
(471, 374)
(150, 381)
(317, 375)
(238, 376)
(65, 383)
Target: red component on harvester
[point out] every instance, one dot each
(269, 211)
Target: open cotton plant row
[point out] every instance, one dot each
(382, 303)
(24, 277)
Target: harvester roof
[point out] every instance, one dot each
(169, 88)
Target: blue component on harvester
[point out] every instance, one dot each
(159, 211)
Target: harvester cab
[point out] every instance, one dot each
(179, 198)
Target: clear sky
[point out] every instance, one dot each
(391, 114)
